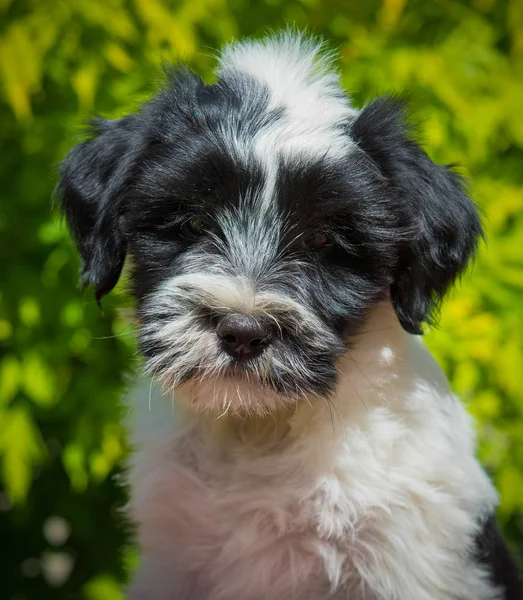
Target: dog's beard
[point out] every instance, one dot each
(184, 354)
(224, 396)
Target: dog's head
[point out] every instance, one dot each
(264, 217)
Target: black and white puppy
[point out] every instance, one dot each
(286, 250)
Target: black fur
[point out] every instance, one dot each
(101, 176)
(94, 181)
(445, 226)
(490, 549)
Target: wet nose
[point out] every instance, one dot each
(243, 335)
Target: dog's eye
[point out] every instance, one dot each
(317, 240)
(195, 226)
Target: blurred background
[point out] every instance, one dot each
(63, 364)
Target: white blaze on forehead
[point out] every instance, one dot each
(300, 81)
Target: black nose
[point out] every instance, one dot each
(242, 335)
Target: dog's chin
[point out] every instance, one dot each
(233, 394)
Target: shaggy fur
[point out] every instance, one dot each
(325, 458)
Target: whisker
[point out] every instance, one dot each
(355, 389)
(226, 410)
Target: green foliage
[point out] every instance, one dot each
(62, 363)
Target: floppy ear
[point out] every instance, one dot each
(94, 178)
(443, 222)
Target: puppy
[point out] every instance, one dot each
(286, 251)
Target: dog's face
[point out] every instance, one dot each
(264, 217)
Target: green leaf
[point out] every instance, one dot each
(73, 459)
(22, 448)
(102, 587)
(39, 381)
(29, 311)
(9, 379)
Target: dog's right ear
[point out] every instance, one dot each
(94, 179)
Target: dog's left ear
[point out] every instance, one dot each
(443, 224)
(94, 179)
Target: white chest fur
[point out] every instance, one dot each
(373, 496)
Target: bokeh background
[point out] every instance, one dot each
(63, 364)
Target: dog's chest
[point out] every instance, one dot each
(377, 523)
(251, 541)
(274, 527)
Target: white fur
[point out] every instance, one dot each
(374, 496)
(299, 78)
